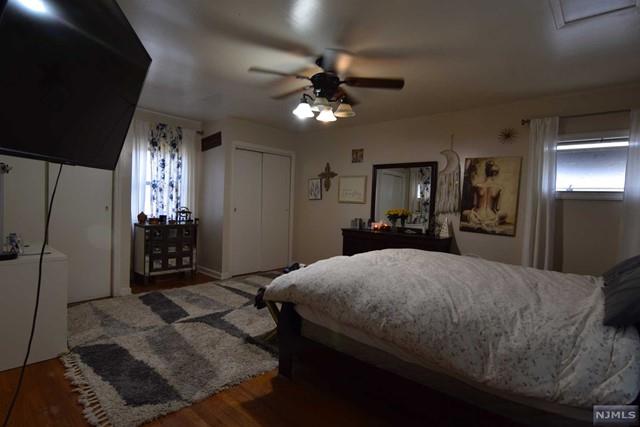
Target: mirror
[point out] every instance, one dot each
(410, 186)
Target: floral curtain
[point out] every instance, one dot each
(165, 169)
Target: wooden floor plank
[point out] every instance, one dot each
(46, 398)
(171, 281)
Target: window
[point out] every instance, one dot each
(569, 11)
(591, 166)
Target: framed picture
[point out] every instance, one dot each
(352, 189)
(357, 155)
(314, 189)
(490, 195)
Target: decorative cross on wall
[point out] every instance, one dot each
(326, 176)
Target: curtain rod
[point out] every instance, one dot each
(146, 110)
(573, 116)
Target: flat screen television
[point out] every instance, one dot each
(71, 75)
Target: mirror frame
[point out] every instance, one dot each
(434, 183)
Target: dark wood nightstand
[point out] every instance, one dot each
(161, 249)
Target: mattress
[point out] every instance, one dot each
(366, 352)
(520, 331)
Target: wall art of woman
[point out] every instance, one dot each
(489, 196)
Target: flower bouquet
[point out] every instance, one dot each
(394, 214)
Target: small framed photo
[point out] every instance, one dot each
(315, 189)
(352, 189)
(357, 155)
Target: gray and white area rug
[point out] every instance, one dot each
(135, 358)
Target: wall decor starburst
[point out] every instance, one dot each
(507, 136)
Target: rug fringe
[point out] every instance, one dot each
(93, 411)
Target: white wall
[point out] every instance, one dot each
(25, 198)
(588, 239)
(588, 229)
(317, 223)
(211, 205)
(121, 222)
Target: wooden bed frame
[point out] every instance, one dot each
(443, 401)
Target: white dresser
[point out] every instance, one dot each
(18, 281)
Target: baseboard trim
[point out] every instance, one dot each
(123, 291)
(213, 273)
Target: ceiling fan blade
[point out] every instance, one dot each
(335, 60)
(289, 93)
(276, 73)
(368, 82)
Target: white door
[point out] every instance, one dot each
(390, 192)
(276, 193)
(246, 218)
(81, 228)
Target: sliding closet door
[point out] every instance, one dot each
(276, 184)
(246, 219)
(81, 228)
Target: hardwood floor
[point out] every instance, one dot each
(46, 398)
(266, 400)
(170, 281)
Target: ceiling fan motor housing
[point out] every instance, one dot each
(326, 85)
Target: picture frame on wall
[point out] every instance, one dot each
(314, 189)
(490, 194)
(357, 155)
(352, 189)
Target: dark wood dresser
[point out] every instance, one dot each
(161, 249)
(355, 241)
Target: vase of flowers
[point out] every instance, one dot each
(394, 214)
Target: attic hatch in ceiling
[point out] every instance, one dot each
(569, 11)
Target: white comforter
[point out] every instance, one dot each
(525, 331)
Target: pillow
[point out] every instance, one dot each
(622, 300)
(611, 275)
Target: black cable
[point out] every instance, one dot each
(35, 310)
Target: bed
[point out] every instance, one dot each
(507, 336)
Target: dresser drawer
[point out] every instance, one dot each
(356, 241)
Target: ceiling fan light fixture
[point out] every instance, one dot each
(326, 116)
(344, 110)
(303, 110)
(320, 103)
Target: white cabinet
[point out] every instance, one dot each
(261, 211)
(18, 281)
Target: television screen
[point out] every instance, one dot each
(71, 76)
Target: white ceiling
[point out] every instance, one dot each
(453, 54)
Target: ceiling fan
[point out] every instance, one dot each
(327, 87)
